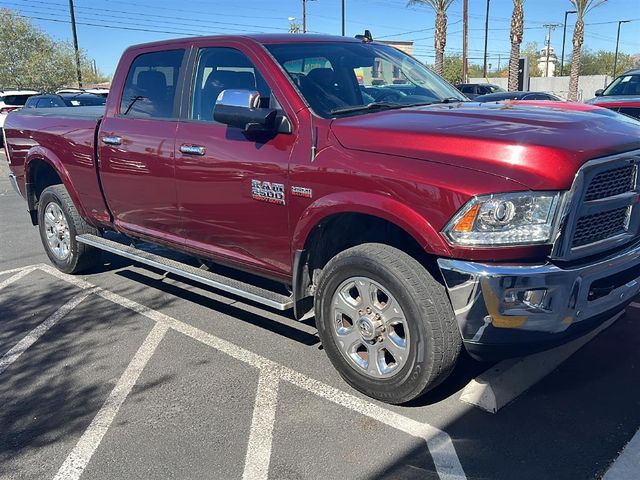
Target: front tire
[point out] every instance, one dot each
(386, 324)
(59, 222)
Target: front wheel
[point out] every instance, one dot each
(59, 223)
(386, 324)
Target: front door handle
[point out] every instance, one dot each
(113, 140)
(193, 149)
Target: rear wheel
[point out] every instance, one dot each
(59, 223)
(386, 323)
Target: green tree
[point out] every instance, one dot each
(452, 69)
(532, 52)
(440, 37)
(601, 62)
(582, 7)
(32, 59)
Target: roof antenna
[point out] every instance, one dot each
(366, 38)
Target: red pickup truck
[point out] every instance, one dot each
(411, 221)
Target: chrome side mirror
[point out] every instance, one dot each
(241, 109)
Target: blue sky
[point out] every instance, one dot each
(387, 19)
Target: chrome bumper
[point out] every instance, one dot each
(492, 305)
(14, 184)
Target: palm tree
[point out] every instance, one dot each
(582, 7)
(517, 31)
(440, 7)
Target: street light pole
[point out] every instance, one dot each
(304, 16)
(564, 39)
(486, 40)
(465, 41)
(343, 16)
(615, 59)
(550, 27)
(75, 42)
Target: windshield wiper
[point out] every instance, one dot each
(368, 106)
(132, 103)
(452, 100)
(388, 105)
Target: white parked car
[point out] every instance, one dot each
(12, 100)
(103, 92)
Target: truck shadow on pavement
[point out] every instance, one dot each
(51, 393)
(223, 308)
(571, 425)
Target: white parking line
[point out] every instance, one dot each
(627, 465)
(79, 458)
(14, 278)
(256, 466)
(33, 336)
(439, 443)
(501, 384)
(19, 269)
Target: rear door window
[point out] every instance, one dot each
(151, 87)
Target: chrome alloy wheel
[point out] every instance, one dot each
(370, 327)
(57, 230)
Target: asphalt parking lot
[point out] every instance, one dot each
(129, 373)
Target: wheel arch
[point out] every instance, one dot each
(337, 222)
(43, 168)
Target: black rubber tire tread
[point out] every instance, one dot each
(83, 257)
(429, 298)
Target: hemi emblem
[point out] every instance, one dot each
(301, 192)
(267, 192)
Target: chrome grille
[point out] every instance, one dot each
(603, 211)
(600, 226)
(610, 183)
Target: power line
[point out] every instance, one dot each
(107, 26)
(145, 15)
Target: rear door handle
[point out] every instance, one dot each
(112, 140)
(193, 149)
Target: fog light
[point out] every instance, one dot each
(535, 298)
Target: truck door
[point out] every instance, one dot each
(225, 177)
(136, 146)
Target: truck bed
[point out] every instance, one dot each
(65, 137)
(94, 113)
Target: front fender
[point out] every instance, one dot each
(46, 155)
(370, 204)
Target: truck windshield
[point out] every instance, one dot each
(337, 78)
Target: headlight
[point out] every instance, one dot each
(521, 218)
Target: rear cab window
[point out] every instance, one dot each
(150, 90)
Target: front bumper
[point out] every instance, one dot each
(497, 317)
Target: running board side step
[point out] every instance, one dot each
(220, 282)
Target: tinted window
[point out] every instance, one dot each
(45, 102)
(349, 76)
(150, 88)
(222, 69)
(467, 89)
(84, 100)
(624, 85)
(15, 99)
(537, 96)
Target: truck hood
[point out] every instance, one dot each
(541, 145)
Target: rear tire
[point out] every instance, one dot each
(59, 222)
(415, 341)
